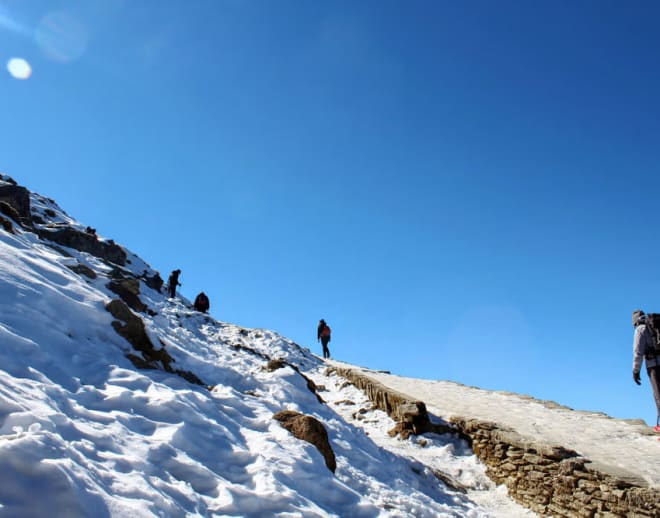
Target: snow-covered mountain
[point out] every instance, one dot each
(118, 401)
(100, 416)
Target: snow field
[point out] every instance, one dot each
(94, 437)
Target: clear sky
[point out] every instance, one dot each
(463, 190)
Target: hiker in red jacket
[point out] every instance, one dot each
(323, 335)
(202, 303)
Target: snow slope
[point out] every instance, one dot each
(85, 433)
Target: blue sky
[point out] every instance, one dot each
(463, 190)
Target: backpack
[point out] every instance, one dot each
(652, 322)
(326, 331)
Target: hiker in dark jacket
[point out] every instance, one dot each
(323, 335)
(202, 303)
(173, 282)
(644, 349)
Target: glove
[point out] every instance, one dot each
(636, 377)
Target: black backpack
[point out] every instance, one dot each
(652, 322)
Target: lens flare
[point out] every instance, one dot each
(62, 36)
(19, 68)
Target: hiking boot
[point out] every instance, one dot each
(656, 428)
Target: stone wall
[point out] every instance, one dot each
(409, 413)
(550, 480)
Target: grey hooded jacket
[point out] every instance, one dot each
(642, 343)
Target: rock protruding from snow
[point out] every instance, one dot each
(10, 211)
(17, 198)
(131, 327)
(6, 224)
(85, 242)
(310, 429)
(81, 269)
(275, 364)
(129, 291)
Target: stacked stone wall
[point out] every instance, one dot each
(549, 480)
(409, 413)
(381, 397)
(552, 480)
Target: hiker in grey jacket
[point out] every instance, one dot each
(643, 345)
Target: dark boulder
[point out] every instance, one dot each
(84, 242)
(10, 211)
(19, 199)
(131, 327)
(154, 282)
(81, 269)
(273, 365)
(128, 290)
(6, 224)
(310, 429)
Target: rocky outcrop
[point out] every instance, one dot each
(411, 415)
(15, 203)
(18, 198)
(131, 327)
(84, 242)
(274, 365)
(10, 211)
(129, 291)
(310, 429)
(155, 282)
(81, 269)
(6, 224)
(552, 480)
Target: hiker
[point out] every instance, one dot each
(201, 303)
(323, 335)
(173, 282)
(644, 348)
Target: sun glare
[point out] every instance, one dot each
(19, 68)
(62, 36)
